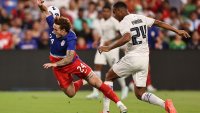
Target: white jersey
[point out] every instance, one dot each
(137, 26)
(108, 29)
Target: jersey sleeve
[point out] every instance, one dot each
(124, 27)
(71, 44)
(149, 21)
(50, 21)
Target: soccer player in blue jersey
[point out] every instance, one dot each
(65, 62)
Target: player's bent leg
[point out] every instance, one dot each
(111, 75)
(141, 94)
(139, 91)
(70, 90)
(95, 92)
(106, 90)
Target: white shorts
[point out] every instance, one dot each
(111, 57)
(137, 66)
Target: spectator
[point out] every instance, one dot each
(19, 11)
(72, 11)
(91, 13)
(160, 43)
(173, 20)
(9, 5)
(43, 42)
(36, 30)
(33, 10)
(81, 44)
(194, 42)
(63, 12)
(193, 21)
(97, 30)
(78, 22)
(16, 30)
(177, 43)
(27, 21)
(27, 43)
(4, 17)
(6, 38)
(189, 7)
(86, 33)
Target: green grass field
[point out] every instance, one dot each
(57, 102)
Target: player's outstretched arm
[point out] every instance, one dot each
(169, 27)
(42, 7)
(123, 40)
(63, 62)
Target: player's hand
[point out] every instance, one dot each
(183, 33)
(40, 2)
(103, 49)
(48, 65)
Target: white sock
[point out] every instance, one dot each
(106, 101)
(122, 82)
(119, 103)
(153, 99)
(98, 73)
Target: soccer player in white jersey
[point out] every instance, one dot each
(133, 29)
(108, 30)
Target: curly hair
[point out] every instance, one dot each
(63, 22)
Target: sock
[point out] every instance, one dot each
(153, 99)
(108, 92)
(106, 101)
(78, 84)
(122, 82)
(98, 73)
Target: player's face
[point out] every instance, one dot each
(106, 13)
(57, 30)
(117, 14)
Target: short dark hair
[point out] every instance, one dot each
(63, 22)
(107, 6)
(120, 4)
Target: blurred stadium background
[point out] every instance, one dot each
(24, 46)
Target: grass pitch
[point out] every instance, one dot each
(57, 102)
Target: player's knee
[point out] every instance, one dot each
(139, 95)
(70, 95)
(108, 77)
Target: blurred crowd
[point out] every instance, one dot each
(22, 26)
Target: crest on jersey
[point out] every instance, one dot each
(62, 43)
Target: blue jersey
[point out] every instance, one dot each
(59, 46)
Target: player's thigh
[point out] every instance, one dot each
(81, 69)
(93, 80)
(64, 79)
(112, 56)
(141, 71)
(100, 58)
(122, 68)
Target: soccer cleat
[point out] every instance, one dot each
(124, 93)
(169, 107)
(93, 95)
(105, 112)
(123, 108)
